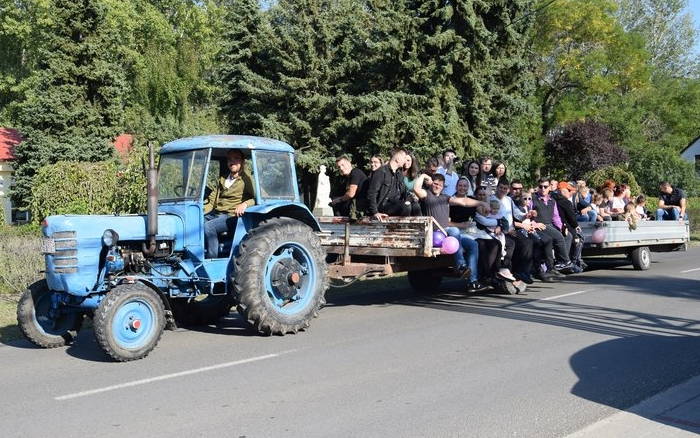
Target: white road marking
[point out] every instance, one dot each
(566, 295)
(690, 270)
(169, 376)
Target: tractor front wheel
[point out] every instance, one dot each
(129, 322)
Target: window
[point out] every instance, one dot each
(181, 175)
(276, 175)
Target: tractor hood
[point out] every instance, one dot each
(73, 245)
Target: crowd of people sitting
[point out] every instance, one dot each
(507, 232)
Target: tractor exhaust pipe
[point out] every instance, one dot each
(151, 203)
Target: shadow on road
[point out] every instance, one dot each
(623, 372)
(651, 352)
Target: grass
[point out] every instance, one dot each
(8, 321)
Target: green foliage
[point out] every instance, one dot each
(584, 55)
(653, 165)
(596, 178)
(74, 105)
(105, 187)
(354, 77)
(358, 78)
(692, 207)
(668, 31)
(130, 192)
(72, 187)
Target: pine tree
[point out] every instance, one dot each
(74, 106)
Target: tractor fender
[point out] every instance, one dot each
(294, 210)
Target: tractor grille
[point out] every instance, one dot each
(66, 255)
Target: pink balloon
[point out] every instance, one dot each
(450, 245)
(598, 235)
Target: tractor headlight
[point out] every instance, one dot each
(110, 237)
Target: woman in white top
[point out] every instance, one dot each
(472, 172)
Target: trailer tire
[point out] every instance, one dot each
(641, 258)
(36, 324)
(424, 281)
(129, 322)
(201, 310)
(281, 276)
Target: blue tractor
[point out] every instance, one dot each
(136, 275)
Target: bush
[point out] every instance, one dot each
(105, 187)
(21, 261)
(596, 178)
(692, 206)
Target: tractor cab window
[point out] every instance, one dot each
(181, 175)
(275, 172)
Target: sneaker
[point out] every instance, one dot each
(464, 271)
(583, 265)
(555, 273)
(475, 286)
(563, 265)
(544, 277)
(524, 277)
(504, 273)
(576, 269)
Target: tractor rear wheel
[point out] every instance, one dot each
(281, 276)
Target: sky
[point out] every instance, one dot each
(694, 8)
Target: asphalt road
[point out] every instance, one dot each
(385, 363)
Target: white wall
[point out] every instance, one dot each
(5, 183)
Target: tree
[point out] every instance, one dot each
(169, 47)
(74, 105)
(19, 43)
(583, 57)
(580, 148)
(241, 67)
(361, 77)
(668, 32)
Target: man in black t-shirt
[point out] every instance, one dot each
(355, 178)
(671, 203)
(437, 204)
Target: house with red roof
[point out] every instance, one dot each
(9, 138)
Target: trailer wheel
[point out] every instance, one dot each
(281, 276)
(129, 322)
(38, 325)
(424, 281)
(201, 310)
(641, 258)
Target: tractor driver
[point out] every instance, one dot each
(227, 202)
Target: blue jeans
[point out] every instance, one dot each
(472, 249)
(213, 227)
(672, 214)
(591, 216)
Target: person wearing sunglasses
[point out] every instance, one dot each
(525, 221)
(550, 223)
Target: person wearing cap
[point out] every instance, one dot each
(570, 228)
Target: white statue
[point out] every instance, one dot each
(323, 195)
